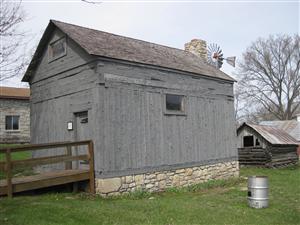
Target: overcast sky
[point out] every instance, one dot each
(231, 24)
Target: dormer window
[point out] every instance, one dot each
(57, 49)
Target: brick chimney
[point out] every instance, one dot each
(197, 47)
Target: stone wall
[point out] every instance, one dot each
(158, 181)
(17, 108)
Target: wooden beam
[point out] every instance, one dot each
(8, 173)
(48, 160)
(92, 169)
(35, 147)
(3, 166)
(68, 165)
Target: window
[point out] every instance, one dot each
(57, 49)
(12, 122)
(257, 143)
(174, 102)
(248, 141)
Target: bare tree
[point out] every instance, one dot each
(91, 2)
(269, 75)
(13, 41)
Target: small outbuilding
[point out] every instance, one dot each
(292, 127)
(265, 146)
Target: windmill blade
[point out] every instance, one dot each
(231, 60)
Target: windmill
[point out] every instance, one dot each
(215, 56)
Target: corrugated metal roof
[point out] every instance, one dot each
(292, 127)
(14, 93)
(104, 44)
(273, 135)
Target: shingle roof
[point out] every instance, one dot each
(109, 45)
(273, 135)
(292, 127)
(14, 93)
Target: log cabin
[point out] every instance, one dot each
(265, 146)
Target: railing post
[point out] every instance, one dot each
(68, 165)
(91, 165)
(8, 173)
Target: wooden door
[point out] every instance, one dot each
(82, 132)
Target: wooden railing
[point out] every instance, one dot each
(67, 175)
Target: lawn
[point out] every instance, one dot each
(16, 156)
(217, 202)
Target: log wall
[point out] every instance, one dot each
(270, 157)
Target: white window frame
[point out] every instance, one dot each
(12, 122)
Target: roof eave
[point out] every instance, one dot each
(52, 25)
(262, 136)
(15, 97)
(230, 80)
(34, 61)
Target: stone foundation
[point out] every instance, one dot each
(158, 181)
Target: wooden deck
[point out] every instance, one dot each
(44, 180)
(47, 179)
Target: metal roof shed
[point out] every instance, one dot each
(265, 146)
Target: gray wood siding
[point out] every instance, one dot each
(126, 106)
(58, 90)
(137, 134)
(75, 57)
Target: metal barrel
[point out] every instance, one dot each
(258, 191)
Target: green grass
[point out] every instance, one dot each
(15, 155)
(21, 171)
(217, 202)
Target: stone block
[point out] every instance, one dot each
(128, 179)
(150, 176)
(149, 186)
(131, 185)
(188, 172)
(139, 179)
(176, 180)
(108, 185)
(161, 176)
(180, 171)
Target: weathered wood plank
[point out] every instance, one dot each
(92, 168)
(48, 160)
(33, 147)
(9, 183)
(68, 164)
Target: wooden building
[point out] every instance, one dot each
(266, 146)
(292, 127)
(159, 116)
(14, 115)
